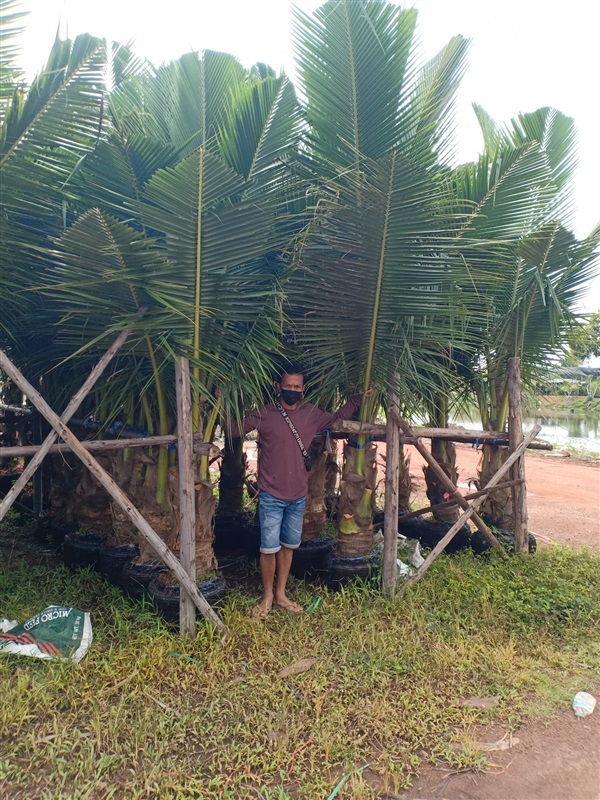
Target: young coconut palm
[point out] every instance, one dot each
(531, 271)
(198, 253)
(373, 261)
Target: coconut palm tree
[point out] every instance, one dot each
(530, 269)
(173, 228)
(379, 250)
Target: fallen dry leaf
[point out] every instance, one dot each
(480, 702)
(297, 667)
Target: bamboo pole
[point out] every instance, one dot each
(111, 487)
(440, 546)
(517, 473)
(187, 510)
(445, 480)
(448, 503)
(389, 575)
(74, 403)
(93, 445)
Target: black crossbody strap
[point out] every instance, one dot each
(283, 413)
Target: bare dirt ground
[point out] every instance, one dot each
(559, 760)
(563, 494)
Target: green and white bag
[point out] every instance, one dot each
(56, 632)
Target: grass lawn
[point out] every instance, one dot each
(148, 715)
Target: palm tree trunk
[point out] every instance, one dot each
(357, 502)
(231, 478)
(315, 516)
(497, 509)
(444, 453)
(404, 481)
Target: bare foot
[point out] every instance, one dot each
(261, 611)
(288, 605)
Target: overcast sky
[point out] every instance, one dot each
(524, 54)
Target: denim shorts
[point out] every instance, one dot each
(280, 522)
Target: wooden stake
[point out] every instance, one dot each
(445, 481)
(389, 575)
(440, 546)
(74, 403)
(517, 473)
(187, 510)
(111, 487)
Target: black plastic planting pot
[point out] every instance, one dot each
(81, 549)
(165, 594)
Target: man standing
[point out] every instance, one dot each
(283, 478)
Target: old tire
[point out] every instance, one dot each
(251, 539)
(312, 558)
(344, 570)
(230, 529)
(112, 559)
(165, 594)
(479, 543)
(136, 577)
(430, 533)
(81, 549)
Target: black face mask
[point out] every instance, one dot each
(290, 397)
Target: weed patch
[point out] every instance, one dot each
(147, 714)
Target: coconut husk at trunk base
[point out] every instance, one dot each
(136, 476)
(356, 504)
(315, 515)
(444, 453)
(76, 496)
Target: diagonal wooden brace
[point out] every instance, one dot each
(111, 487)
(513, 458)
(72, 407)
(445, 480)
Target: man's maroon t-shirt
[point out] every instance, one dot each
(282, 472)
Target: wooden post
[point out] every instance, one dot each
(187, 509)
(445, 481)
(517, 473)
(470, 510)
(392, 475)
(71, 408)
(111, 487)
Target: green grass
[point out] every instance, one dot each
(385, 691)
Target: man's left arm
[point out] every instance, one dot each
(348, 410)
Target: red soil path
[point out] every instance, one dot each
(563, 494)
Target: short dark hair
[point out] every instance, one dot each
(291, 368)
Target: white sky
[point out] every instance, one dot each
(524, 54)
